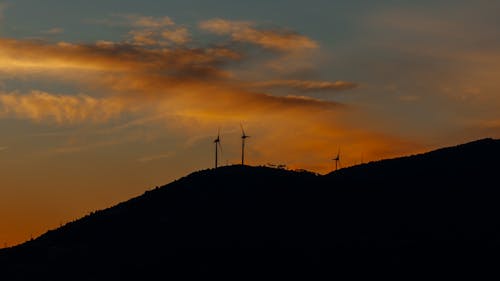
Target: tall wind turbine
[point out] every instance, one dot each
(337, 160)
(217, 147)
(243, 138)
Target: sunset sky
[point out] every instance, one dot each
(102, 100)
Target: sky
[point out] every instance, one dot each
(102, 100)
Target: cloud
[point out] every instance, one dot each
(186, 72)
(22, 56)
(149, 22)
(143, 80)
(161, 31)
(143, 37)
(3, 148)
(409, 98)
(242, 31)
(223, 27)
(148, 30)
(179, 35)
(146, 159)
(419, 38)
(161, 37)
(3, 8)
(53, 31)
(307, 85)
(69, 109)
(41, 106)
(156, 79)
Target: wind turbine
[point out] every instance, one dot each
(243, 138)
(217, 147)
(337, 160)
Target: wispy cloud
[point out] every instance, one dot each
(182, 75)
(187, 87)
(155, 157)
(149, 22)
(243, 31)
(3, 148)
(76, 148)
(307, 85)
(467, 69)
(179, 35)
(53, 31)
(39, 106)
(3, 8)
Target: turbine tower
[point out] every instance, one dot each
(337, 160)
(243, 138)
(217, 147)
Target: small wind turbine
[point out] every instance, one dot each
(243, 138)
(217, 147)
(337, 160)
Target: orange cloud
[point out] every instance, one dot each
(242, 31)
(179, 35)
(150, 22)
(20, 56)
(190, 90)
(41, 106)
(143, 37)
(160, 37)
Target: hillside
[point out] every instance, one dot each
(438, 209)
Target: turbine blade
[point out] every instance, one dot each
(242, 131)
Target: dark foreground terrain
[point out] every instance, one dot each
(439, 210)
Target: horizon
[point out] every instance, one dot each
(233, 166)
(101, 101)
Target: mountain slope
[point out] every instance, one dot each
(433, 209)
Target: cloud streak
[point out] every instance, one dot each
(147, 159)
(40, 106)
(149, 22)
(140, 76)
(242, 31)
(307, 85)
(53, 31)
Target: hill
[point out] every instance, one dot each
(434, 210)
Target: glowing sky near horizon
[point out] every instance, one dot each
(101, 100)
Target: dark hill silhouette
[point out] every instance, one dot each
(435, 210)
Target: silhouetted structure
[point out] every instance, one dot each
(337, 161)
(217, 147)
(243, 138)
